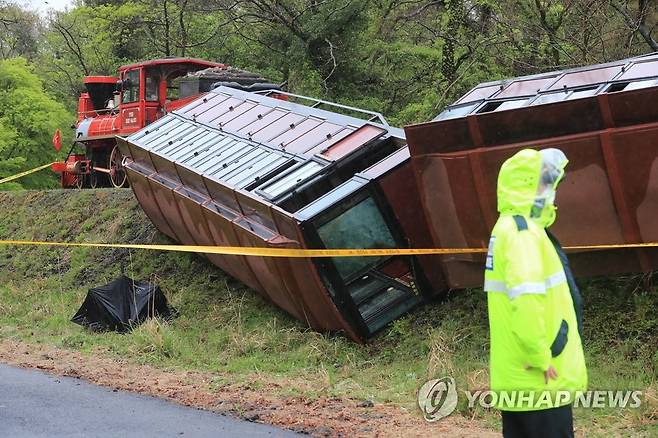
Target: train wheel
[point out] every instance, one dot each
(80, 180)
(93, 179)
(117, 174)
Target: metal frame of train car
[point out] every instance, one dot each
(604, 117)
(243, 169)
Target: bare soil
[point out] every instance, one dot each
(322, 417)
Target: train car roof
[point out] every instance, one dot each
(627, 74)
(171, 60)
(270, 146)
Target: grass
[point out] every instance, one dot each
(227, 329)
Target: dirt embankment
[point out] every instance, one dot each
(317, 417)
(225, 333)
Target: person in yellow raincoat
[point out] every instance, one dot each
(537, 364)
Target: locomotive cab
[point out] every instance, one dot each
(120, 106)
(148, 90)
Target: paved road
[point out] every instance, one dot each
(35, 404)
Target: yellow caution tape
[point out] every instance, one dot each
(22, 174)
(301, 253)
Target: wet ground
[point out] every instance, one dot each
(36, 404)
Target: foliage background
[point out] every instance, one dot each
(407, 59)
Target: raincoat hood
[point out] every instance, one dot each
(527, 182)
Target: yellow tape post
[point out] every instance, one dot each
(301, 253)
(22, 174)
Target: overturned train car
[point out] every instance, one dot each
(604, 117)
(241, 169)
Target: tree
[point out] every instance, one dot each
(28, 119)
(20, 30)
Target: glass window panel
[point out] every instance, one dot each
(244, 164)
(296, 132)
(526, 87)
(208, 115)
(153, 129)
(215, 148)
(196, 145)
(313, 137)
(222, 159)
(255, 169)
(277, 128)
(640, 84)
(267, 117)
(586, 77)
(232, 114)
(362, 226)
(458, 111)
(247, 153)
(511, 105)
(645, 69)
(202, 104)
(130, 86)
(171, 135)
(321, 204)
(182, 143)
(480, 93)
(247, 117)
(579, 94)
(548, 98)
(151, 87)
(298, 175)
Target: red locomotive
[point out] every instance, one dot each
(142, 93)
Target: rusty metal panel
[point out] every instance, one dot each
(636, 152)
(192, 180)
(633, 107)
(399, 187)
(424, 138)
(164, 167)
(284, 222)
(541, 121)
(163, 192)
(254, 210)
(220, 224)
(251, 234)
(192, 213)
(222, 195)
(146, 199)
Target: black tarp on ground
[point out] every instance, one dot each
(121, 305)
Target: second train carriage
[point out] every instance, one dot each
(241, 169)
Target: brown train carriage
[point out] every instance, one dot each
(604, 117)
(242, 169)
